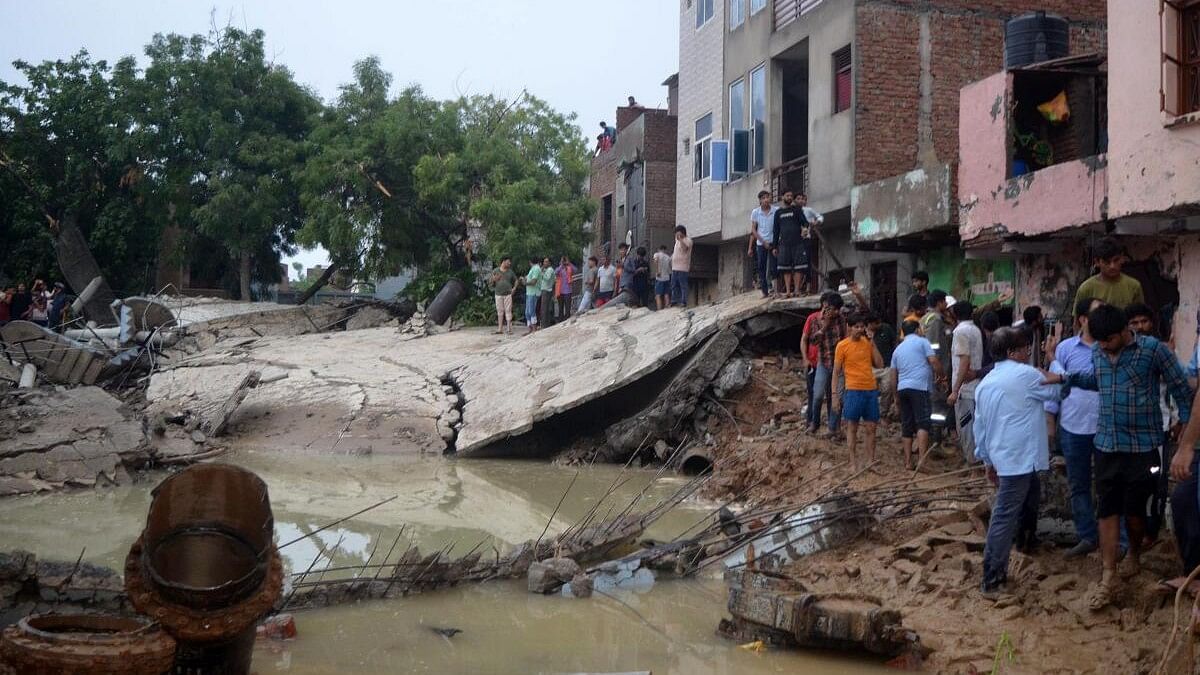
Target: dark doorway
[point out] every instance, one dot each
(1162, 294)
(883, 291)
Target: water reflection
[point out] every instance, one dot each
(668, 628)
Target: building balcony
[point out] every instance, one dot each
(904, 213)
(787, 11)
(1032, 144)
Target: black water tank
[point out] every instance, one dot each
(1035, 37)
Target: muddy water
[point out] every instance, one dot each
(667, 628)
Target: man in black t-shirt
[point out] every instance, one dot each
(790, 248)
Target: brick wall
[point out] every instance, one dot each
(602, 182)
(660, 202)
(966, 45)
(660, 137)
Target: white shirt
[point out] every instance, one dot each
(967, 341)
(662, 266)
(765, 222)
(813, 216)
(608, 277)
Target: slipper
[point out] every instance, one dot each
(1102, 596)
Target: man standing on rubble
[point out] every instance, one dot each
(588, 283)
(856, 357)
(762, 232)
(681, 265)
(1011, 441)
(914, 366)
(503, 283)
(1077, 416)
(1127, 372)
(967, 352)
(828, 331)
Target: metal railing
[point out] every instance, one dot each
(787, 11)
(791, 175)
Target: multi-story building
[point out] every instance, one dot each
(634, 184)
(1037, 188)
(854, 102)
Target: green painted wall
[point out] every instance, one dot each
(979, 281)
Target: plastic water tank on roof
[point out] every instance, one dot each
(1035, 37)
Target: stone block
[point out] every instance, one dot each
(547, 576)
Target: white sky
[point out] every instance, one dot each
(581, 57)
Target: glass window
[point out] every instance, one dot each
(757, 6)
(702, 162)
(737, 106)
(758, 115)
(704, 12)
(736, 13)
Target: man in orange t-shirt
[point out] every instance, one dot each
(856, 357)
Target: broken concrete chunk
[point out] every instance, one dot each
(549, 575)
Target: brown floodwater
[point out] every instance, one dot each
(668, 627)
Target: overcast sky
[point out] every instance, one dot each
(581, 57)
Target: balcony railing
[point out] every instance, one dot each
(792, 175)
(787, 11)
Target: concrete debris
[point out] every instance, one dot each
(780, 611)
(78, 437)
(29, 585)
(733, 376)
(818, 527)
(80, 269)
(10, 374)
(217, 425)
(368, 317)
(581, 586)
(58, 358)
(547, 576)
(676, 402)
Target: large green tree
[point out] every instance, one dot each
(68, 146)
(228, 132)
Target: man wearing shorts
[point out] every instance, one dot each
(787, 233)
(1127, 372)
(856, 358)
(662, 278)
(914, 364)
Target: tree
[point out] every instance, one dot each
(517, 171)
(357, 187)
(229, 134)
(68, 145)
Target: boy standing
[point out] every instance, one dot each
(856, 357)
(662, 278)
(681, 266)
(564, 272)
(913, 365)
(1111, 285)
(533, 290)
(606, 282)
(589, 284)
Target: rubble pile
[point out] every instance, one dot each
(32, 586)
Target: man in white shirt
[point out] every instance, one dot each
(762, 237)
(681, 266)
(606, 279)
(966, 351)
(662, 278)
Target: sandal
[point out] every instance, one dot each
(1102, 595)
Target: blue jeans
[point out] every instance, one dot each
(822, 393)
(679, 288)
(531, 300)
(766, 268)
(1079, 451)
(1016, 499)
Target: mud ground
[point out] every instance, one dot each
(929, 567)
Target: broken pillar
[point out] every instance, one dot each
(81, 644)
(59, 358)
(446, 301)
(80, 269)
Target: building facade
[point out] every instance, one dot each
(1038, 192)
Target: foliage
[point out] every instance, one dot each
(241, 164)
(479, 307)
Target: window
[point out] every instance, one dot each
(736, 13)
(841, 79)
(737, 106)
(758, 116)
(702, 162)
(757, 6)
(704, 12)
(1180, 84)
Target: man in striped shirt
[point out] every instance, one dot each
(1127, 373)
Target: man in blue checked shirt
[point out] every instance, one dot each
(1128, 370)
(1011, 440)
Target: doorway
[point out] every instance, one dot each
(883, 291)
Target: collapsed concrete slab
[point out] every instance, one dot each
(76, 437)
(523, 382)
(58, 358)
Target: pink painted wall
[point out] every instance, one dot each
(1058, 197)
(1152, 167)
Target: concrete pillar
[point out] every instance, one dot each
(28, 376)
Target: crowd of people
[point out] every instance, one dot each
(660, 281)
(1109, 403)
(38, 303)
